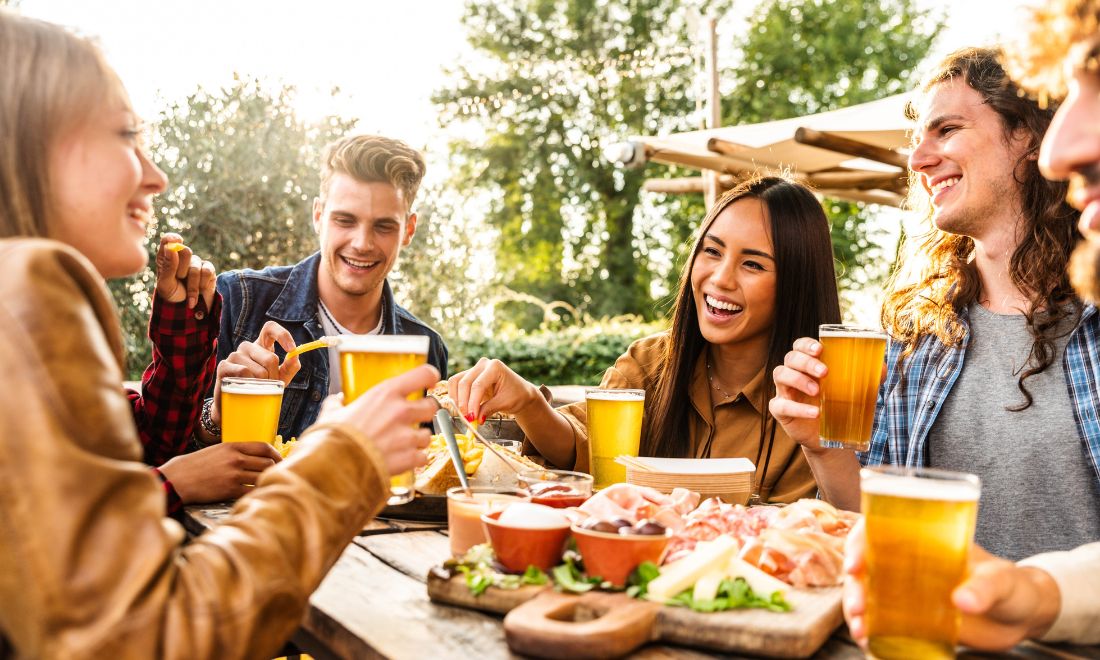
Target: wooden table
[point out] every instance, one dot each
(373, 603)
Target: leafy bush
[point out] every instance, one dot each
(567, 355)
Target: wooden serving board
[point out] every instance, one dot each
(543, 623)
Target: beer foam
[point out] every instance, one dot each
(615, 395)
(855, 333)
(253, 387)
(919, 488)
(384, 344)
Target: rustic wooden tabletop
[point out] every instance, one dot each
(374, 603)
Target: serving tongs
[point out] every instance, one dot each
(443, 423)
(446, 403)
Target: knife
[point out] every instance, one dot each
(443, 421)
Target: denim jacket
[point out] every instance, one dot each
(288, 295)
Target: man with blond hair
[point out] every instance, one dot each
(363, 218)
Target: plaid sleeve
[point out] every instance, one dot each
(175, 382)
(175, 504)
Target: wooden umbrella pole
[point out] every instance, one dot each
(840, 144)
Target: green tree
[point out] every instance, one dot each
(802, 57)
(242, 172)
(560, 80)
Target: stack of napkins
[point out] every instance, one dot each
(728, 478)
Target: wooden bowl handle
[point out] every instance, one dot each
(544, 627)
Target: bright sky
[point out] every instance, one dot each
(386, 56)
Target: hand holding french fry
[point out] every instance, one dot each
(181, 275)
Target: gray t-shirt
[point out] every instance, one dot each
(1039, 491)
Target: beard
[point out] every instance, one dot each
(1084, 271)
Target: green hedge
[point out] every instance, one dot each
(569, 355)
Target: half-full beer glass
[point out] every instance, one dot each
(614, 428)
(849, 389)
(920, 525)
(365, 361)
(250, 409)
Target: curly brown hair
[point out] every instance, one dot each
(1056, 28)
(948, 282)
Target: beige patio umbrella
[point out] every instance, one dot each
(856, 153)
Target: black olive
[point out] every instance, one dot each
(648, 528)
(597, 525)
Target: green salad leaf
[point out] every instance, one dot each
(733, 594)
(638, 582)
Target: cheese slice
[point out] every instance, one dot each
(762, 584)
(707, 586)
(681, 575)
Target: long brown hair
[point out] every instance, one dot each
(948, 282)
(805, 297)
(48, 80)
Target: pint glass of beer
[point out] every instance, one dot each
(250, 409)
(849, 389)
(614, 428)
(920, 526)
(365, 361)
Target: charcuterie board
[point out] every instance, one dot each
(543, 623)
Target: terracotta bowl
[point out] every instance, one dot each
(614, 556)
(516, 548)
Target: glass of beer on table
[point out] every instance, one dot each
(849, 389)
(365, 361)
(464, 509)
(614, 428)
(920, 526)
(250, 409)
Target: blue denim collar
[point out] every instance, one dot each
(297, 302)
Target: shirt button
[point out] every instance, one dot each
(316, 396)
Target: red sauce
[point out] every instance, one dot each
(561, 500)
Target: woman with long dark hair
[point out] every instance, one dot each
(759, 276)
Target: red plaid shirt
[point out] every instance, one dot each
(175, 383)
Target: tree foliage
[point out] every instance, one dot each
(806, 56)
(564, 78)
(242, 172)
(559, 81)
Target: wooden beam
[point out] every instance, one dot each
(857, 180)
(724, 164)
(690, 184)
(713, 189)
(724, 147)
(840, 144)
(870, 196)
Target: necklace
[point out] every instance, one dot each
(714, 383)
(324, 310)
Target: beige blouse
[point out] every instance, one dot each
(718, 427)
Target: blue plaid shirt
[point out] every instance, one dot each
(907, 407)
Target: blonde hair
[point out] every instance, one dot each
(1055, 28)
(373, 158)
(48, 78)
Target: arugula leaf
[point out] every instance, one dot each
(570, 578)
(732, 594)
(534, 575)
(640, 577)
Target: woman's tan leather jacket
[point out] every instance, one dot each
(89, 565)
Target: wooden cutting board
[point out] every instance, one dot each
(543, 623)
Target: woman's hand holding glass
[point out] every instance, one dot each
(797, 387)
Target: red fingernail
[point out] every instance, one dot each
(469, 417)
(481, 421)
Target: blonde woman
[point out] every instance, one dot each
(91, 567)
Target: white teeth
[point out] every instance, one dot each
(946, 183)
(718, 304)
(359, 264)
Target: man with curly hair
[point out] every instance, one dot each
(1053, 596)
(992, 362)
